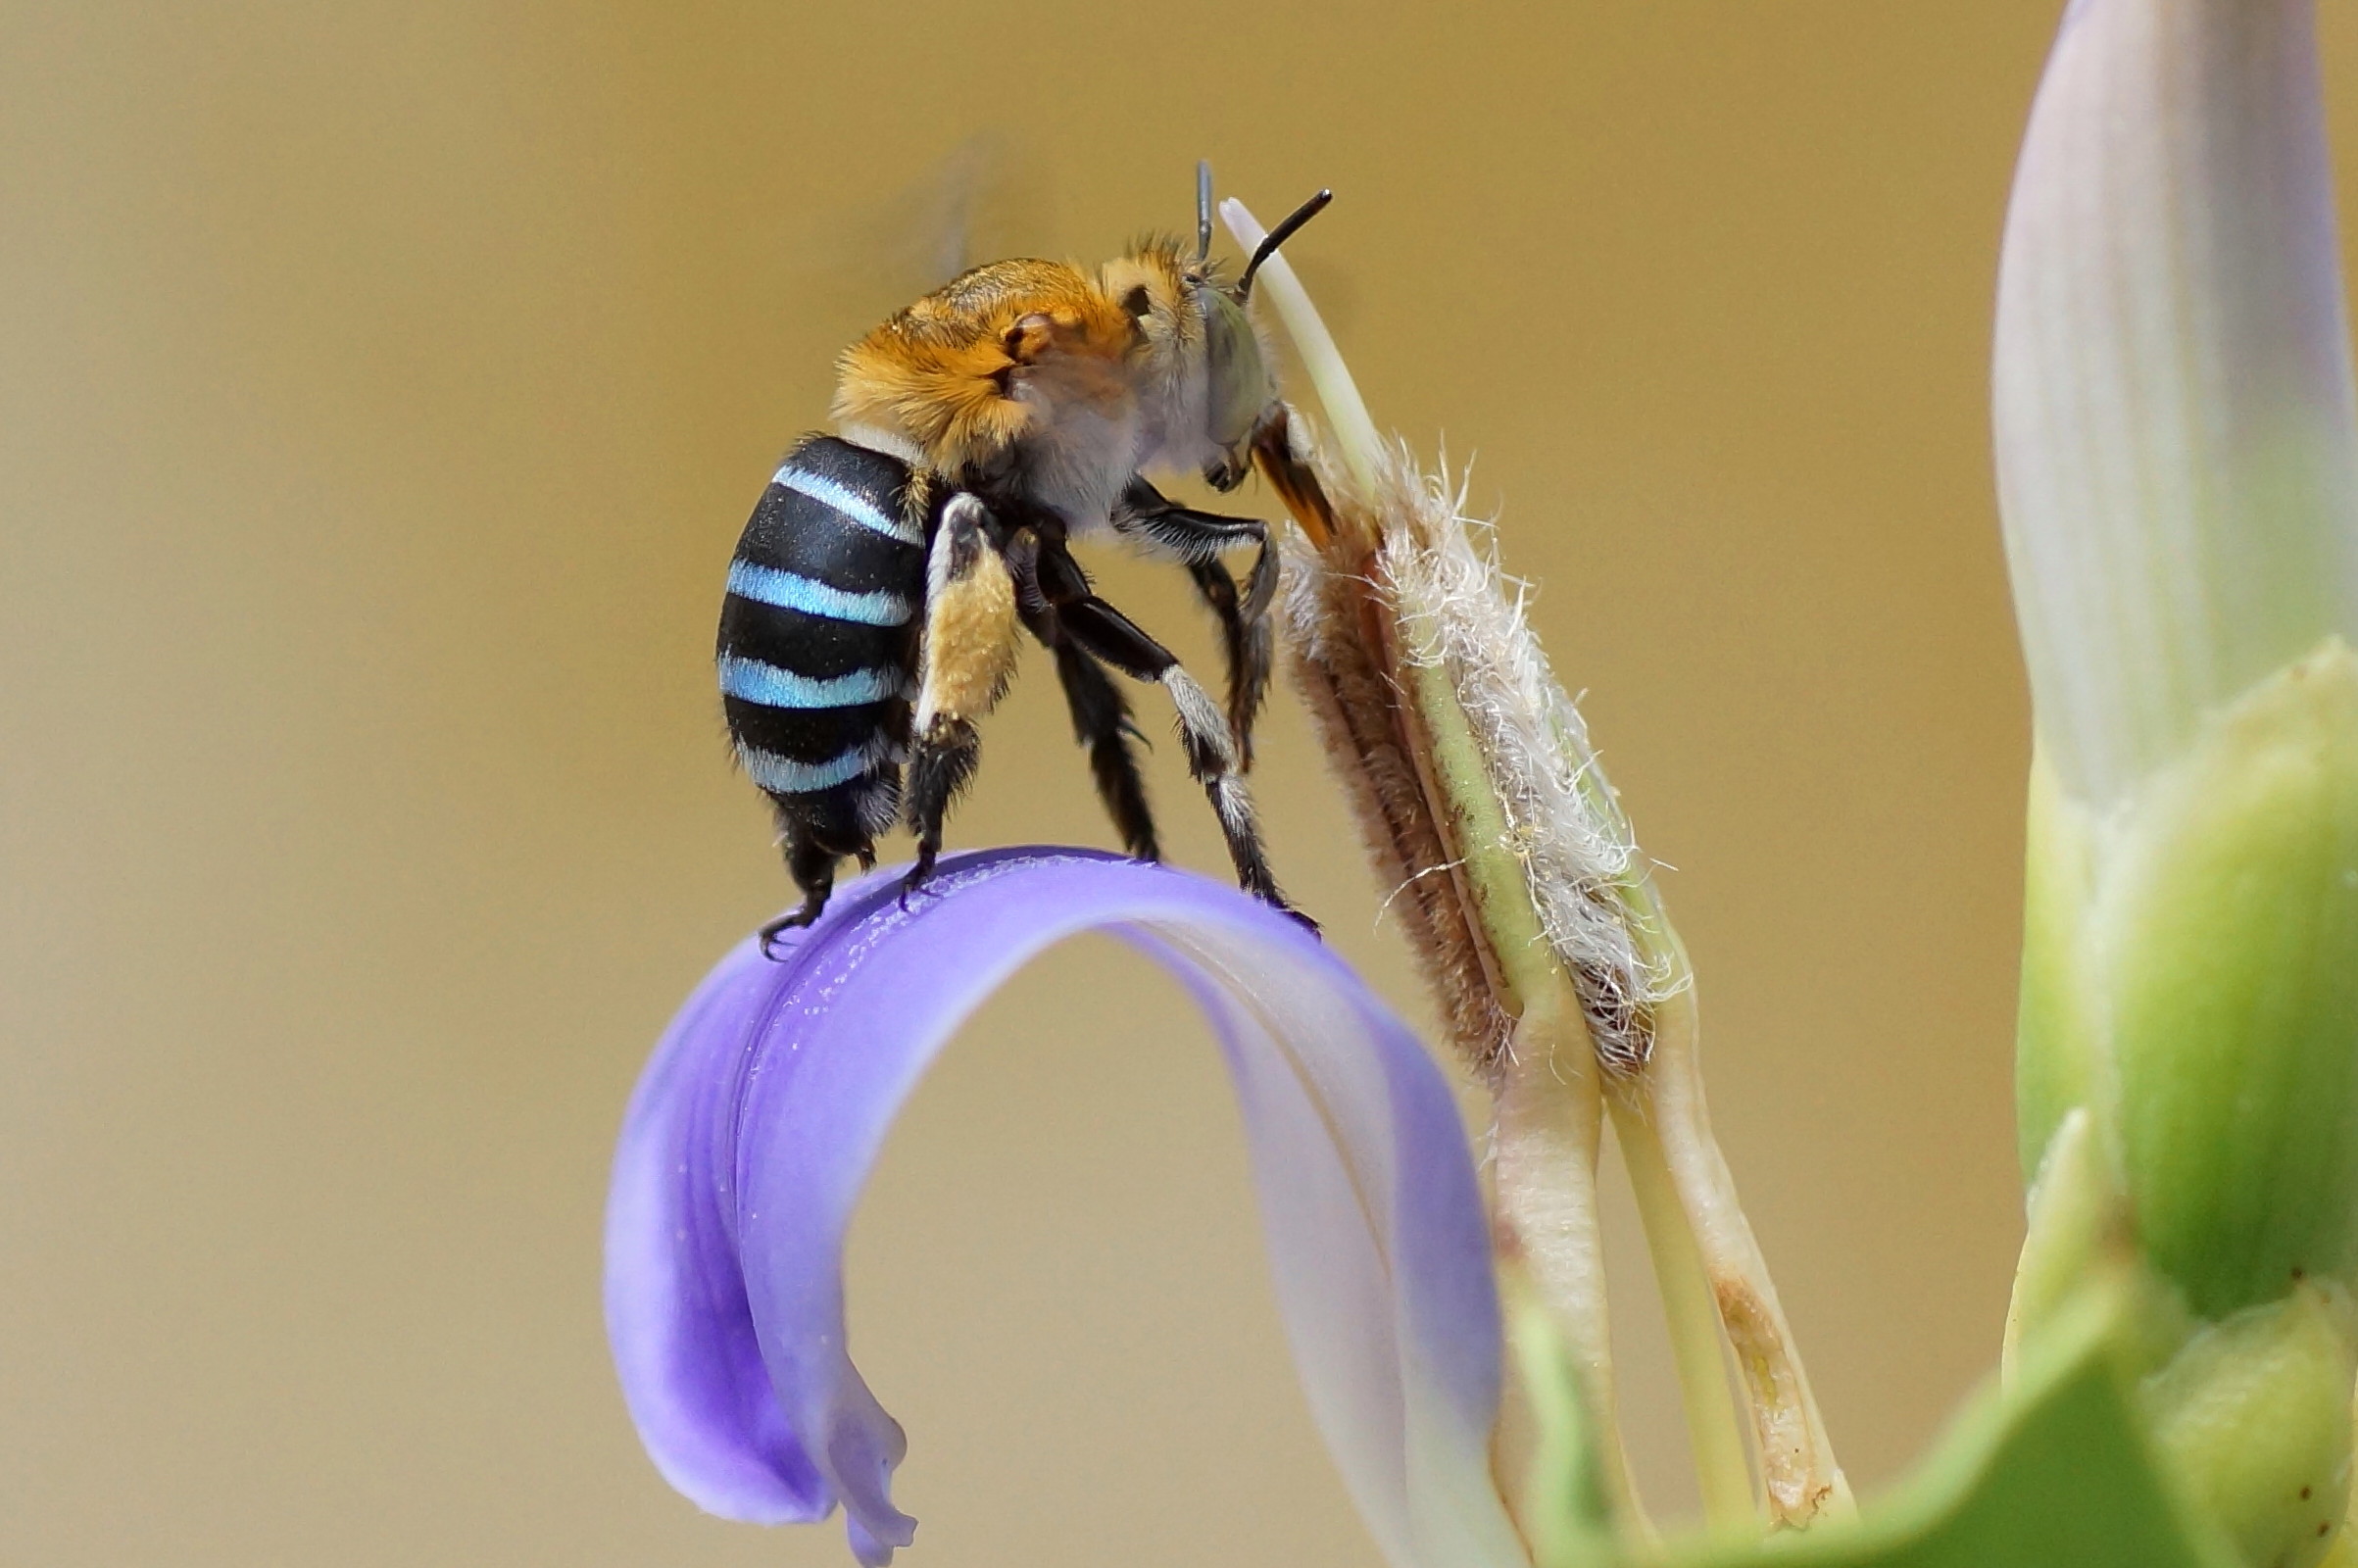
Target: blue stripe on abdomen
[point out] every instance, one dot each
(846, 503)
(818, 636)
(790, 590)
(783, 775)
(812, 736)
(753, 681)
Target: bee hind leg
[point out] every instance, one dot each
(813, 868)
(940, 768)
(968, 655)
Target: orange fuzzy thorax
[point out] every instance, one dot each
(998, 356)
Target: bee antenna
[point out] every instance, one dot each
(1202, 210)
(1278, 236)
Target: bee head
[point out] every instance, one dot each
(1198, 346)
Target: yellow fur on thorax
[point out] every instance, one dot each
(941, 372)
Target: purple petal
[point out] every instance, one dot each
(765, 1108)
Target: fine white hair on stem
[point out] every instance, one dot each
(1580, 858)
(1351, 691)
(1412, 880)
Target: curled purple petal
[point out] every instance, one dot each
(756, 1122)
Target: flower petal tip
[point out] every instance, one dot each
(756, 1121)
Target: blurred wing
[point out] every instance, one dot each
(980, 202)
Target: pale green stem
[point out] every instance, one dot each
(1546, 1137)
(1798, 1473)
(1566, 1517)
(1713, 1431)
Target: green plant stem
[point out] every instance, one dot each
(1713, 1432)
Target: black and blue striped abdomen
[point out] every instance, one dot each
(818, 630)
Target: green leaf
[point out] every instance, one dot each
(2054, 1472)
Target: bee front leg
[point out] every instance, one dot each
(966, 654)
(1197, 538)
(1250, 647)
(1144, 514)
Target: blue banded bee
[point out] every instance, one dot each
(880, 590)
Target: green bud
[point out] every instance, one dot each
(2188, 1082)
(2176, 419)
(2255, 1414)
(2192, 975)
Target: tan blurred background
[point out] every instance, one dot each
(382, 389)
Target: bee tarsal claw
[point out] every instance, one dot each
(772, 934)
(917, 880)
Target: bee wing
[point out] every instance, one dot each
(981, 201)
(966, 211)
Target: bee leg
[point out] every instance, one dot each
(1197, 538)
(967, 654)
(1146, 515)
(1104, 631)
(942, 766)
(1102, 722)
(1249, 650)
(813, 868)
(1101, 716)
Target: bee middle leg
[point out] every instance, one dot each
(1101, 714)
(1108, 634)
(1102, 722)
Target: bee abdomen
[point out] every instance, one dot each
(818, 630)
